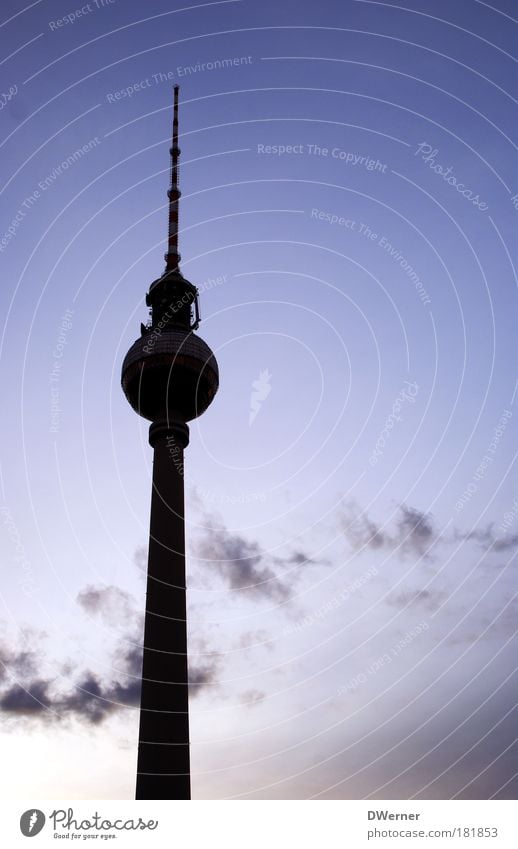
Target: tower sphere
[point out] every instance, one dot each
(171, 374)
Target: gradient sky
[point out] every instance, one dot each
(352, 544)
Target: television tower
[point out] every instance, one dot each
(169, 377)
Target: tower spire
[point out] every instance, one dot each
(172, 256)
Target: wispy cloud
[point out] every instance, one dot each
(413, 533)
(20, 661)
(203, 675)
(111, 603)
(429, 599)
(244, 565)
(140, 560)
(250, 698)
(487, 539)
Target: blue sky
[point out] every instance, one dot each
(348, 174)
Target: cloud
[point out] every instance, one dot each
(254, 639)
(244, 566)
(415, 532)
(89, 700)
(360, 531)
(18, 662)
(26, 695)
(140, 559)
(110, 603)
(202, 676)
(506, 544)
(132, 657)
(487, 539)
(93, 701)
(300, 558)
(204, 666)
(250, 698)
(125, 695)
(429, 599)
(26, 701)
(413, 535)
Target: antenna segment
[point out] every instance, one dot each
(172, 256)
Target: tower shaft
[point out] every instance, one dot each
(163, 770)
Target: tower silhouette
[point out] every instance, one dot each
(169, 377)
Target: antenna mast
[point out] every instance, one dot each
(172, 256)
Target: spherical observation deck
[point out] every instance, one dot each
(170, 374)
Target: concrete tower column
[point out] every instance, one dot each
(163, 770)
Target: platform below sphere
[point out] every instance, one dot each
(170, 373)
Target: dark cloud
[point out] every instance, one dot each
(26, 701)
(131, 657)
(90, 700)
(241, 563)
(506, 544)
(300, 558)
(487, 539)
(27, 693)
(126, 695)
(203, 675)
(415, 532)
(412, 535)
